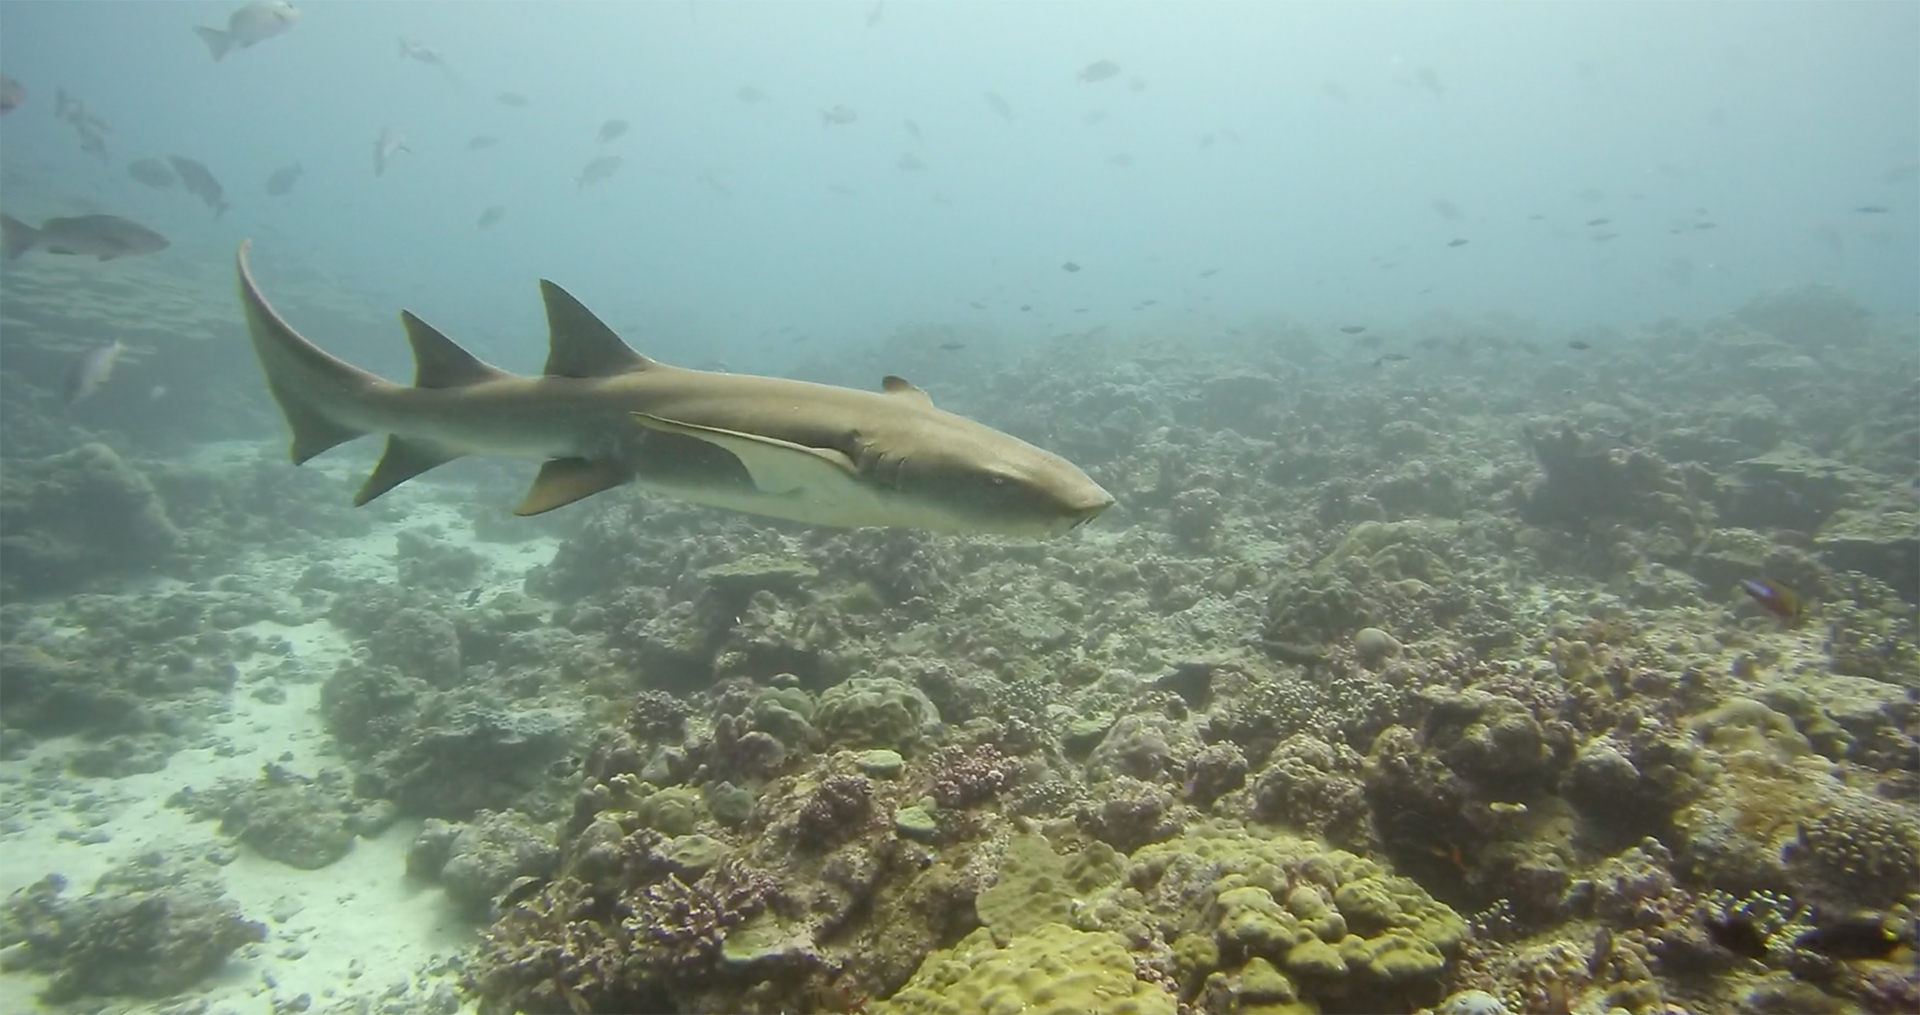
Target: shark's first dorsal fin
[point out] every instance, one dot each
(582, 345)
(901, 386)
(440, 363)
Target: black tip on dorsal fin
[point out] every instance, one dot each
(440, 363)
(901, 386)
(581, 344)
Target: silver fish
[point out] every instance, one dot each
(12, 94)
(510, 99)
(999, 106)
(1099, 70)
(152, 172)
(281, 182)
(103, 236)
(611, 130)
(839, 114)
(256, 22)
(200, 183)
(389, 144)
(92, 369)
(494, 213)
(597, 170)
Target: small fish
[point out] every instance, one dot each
(1579, 345)
(1122, 160)
(1094, 118)
(510, 99)
(1861, 937)
(838, 115)
(1210, 272)
(1507, 808)
(280, 184)
(597, 170)
(1456, 243)
(976, 304)
(524, 887)
(953, 346)
(254, 23)
(151, 172)
(92, 369)
(909, 163)
(1099, 70)
(12, 94)
(389, 144)
(611, 130)
(1353, 329)
(999, 106)
(105, 237)
(1136, 84)
(1392, 357)
(1603, 237)
(493, 214)
(912, 129)
(482, 141)
(473, 597)
(1069, 266)
(1773, 597)
(421, 53)
(750, 95)
(873, 16)
(1024, 307)
(200, 182)
(1872, 209)
(1598, 222)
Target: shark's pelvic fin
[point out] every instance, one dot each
(439, 362)
(565, 480)
(775, 466)
(403, 460)
(581, 344)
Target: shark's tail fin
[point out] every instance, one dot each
(217, 41)
(298, 373)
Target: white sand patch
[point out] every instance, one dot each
(355, 929)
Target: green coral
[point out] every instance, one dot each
(1332, 921)
(1053, 969)
(1037, 886)
(873, 712)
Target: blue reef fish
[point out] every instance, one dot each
(1773, 597)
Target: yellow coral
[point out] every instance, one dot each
(1054, 969)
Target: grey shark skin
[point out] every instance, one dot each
(604, 415)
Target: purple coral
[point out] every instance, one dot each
(683, 925)
(840, 805)
(971, 775)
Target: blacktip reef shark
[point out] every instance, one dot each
(603, 415)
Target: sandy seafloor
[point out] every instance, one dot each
(356, 929)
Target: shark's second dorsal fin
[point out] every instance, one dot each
(582, 345)
(439, 362)
(901, 386)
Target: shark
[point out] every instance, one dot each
(602, 416)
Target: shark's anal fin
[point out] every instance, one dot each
(775, 466)
(404, 460)
(565, 480)
(580, 344)
(439, 362)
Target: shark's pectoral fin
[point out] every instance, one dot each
(565, 480)
(775, 466)
(403, 460)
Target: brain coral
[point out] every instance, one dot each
(1053, 969)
